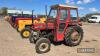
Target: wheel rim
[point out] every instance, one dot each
(75, 37)
(26, 33)
(43, 46)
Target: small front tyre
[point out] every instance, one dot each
(42, 45)
(31, 38)
(25, 33)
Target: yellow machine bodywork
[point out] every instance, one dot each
(23, 23)
(42, 20)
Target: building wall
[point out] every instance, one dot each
(19, 12)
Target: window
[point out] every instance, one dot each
(53, 14)
(93, 17)
(73, 14)
(63, 15)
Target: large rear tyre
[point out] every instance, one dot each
(74, 36)
(42, 45)
(25, 33)
(17, 29)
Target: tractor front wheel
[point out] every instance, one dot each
(31, 38)
(42, 45)
(34, 36)
(25, 33)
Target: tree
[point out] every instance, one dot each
(4, 10)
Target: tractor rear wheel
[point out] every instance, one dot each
(25, 33)
(42, 45)
(74, 36)
(17, 29)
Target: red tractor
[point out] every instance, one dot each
(62, 24)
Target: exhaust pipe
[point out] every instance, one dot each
(46, 16)
(32, 15)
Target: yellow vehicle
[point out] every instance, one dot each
(27, 22)
(23, 23)
(24, 26)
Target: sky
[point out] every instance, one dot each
(85, 6)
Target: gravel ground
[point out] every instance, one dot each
(11, 43)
